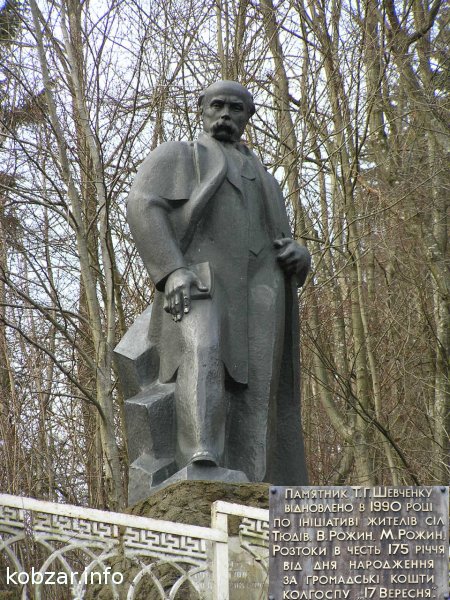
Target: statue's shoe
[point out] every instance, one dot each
(205, 459)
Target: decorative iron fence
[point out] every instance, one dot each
(56, 551)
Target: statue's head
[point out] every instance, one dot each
(226, 107)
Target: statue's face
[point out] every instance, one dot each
(225, 116)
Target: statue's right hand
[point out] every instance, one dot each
(178, 292)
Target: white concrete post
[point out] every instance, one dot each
(219, 520)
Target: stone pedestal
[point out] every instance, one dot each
(190, 502)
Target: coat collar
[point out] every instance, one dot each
(211, 170)
(238, 160)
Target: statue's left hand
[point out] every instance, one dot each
(177, 292)
(294, 259)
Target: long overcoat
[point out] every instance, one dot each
(171, 193)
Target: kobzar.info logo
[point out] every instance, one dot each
(36, 577)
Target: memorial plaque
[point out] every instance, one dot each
(358, 543)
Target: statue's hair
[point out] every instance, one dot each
(231, 87)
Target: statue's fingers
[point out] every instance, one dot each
(286, 254)
(178, 305)
(173, 310)
(291, 259)
(171, 303)
(279, 243)
(186, 301)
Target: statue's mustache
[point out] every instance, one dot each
(222, 125)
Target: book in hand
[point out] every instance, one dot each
(205, 274)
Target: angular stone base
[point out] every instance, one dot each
(150, 423)
(145, 474)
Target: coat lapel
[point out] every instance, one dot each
(278, 222)
(210, 168)
(239, 166)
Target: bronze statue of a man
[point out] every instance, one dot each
(210, 224)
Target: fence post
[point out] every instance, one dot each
(219, 520)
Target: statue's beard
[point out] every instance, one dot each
(225, 131)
